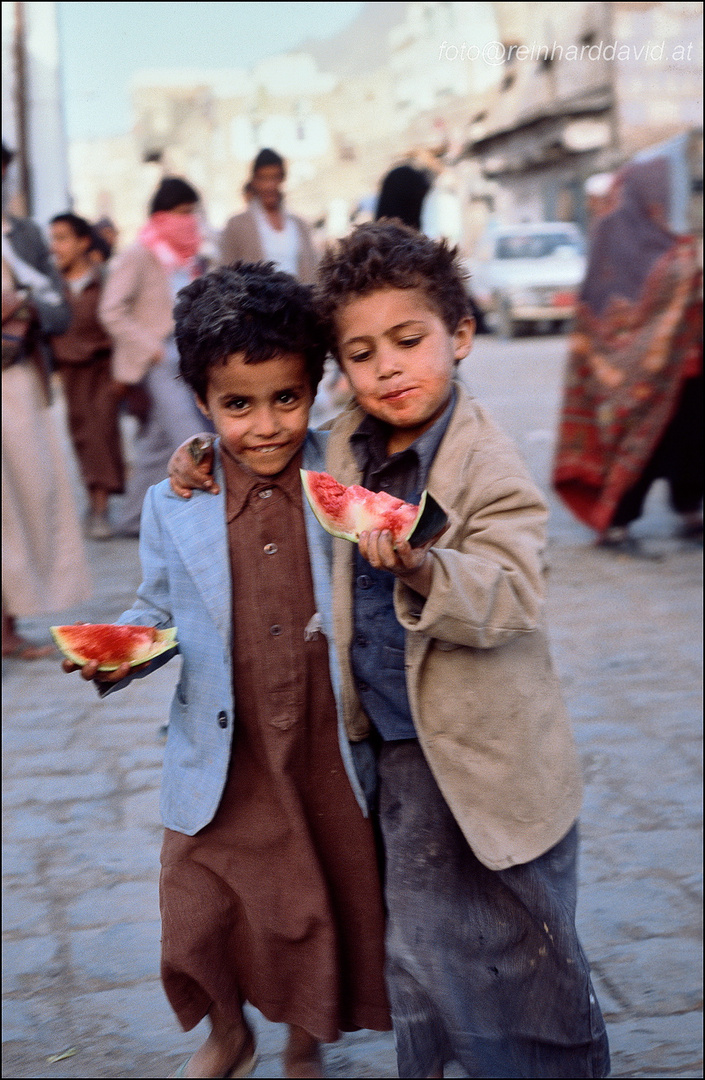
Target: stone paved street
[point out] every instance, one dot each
(82, 834)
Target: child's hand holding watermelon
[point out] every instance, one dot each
(411, 564)
(91, 673)
(107, 653)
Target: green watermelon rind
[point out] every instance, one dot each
(166, 639)
(429, 521)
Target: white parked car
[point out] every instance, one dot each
(528, 274)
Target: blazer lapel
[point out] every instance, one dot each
(198, 529)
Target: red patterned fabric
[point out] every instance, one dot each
(628, 359)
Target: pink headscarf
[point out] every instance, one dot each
(174, 238)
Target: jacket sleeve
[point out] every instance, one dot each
(229, 251)
(307, 255)
(52, 307)
(487, 577)
(152, 606)
(135, 344)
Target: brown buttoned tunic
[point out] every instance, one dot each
(82, 356)
(277, 901)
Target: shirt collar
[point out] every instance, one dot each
(260, 212)
(242, 485)
(369, 443)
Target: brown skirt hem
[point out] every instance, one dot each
(191, 1014)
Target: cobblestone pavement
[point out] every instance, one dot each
(81, 831)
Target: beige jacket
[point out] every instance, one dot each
(136, 310)
(484, 697)
(240, 240)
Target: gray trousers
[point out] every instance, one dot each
(174, 417)
(483, 967)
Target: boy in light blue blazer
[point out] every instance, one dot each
(269, 887)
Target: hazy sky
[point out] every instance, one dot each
(102, 45)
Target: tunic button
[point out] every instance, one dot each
(361, 640)
(265, 494)
(364, 581)
(270, 549)
(275, 630)
(222, 719)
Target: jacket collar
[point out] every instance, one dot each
(454, 447)
(198, 529)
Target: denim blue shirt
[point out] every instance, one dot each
(377, 649)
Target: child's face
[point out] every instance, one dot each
(260, 410)
(67, 248)
(400, 358)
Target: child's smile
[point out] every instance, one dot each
(260, 410)
(400, 359)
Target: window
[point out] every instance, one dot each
(537, 246)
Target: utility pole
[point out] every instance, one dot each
(33, 116)
(24, 193)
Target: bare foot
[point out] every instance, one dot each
(221, 1053)
(18, 648)
(302, 1057)
(15, 647)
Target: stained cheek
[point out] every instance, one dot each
(360, 385)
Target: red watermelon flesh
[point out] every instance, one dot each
(110, 645)
(349, 511)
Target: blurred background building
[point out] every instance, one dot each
(570, 90)
(32, 110)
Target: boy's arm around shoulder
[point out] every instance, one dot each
(153, 604)
(486, 582)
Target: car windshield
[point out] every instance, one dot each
(536, 245)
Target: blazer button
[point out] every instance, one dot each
(223, 719)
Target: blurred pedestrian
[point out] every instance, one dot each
(402, 194)
(136, 309)
(44, 569)
(410, 193)
(83, 358)
(100, 250)
(106, 230)
(633, 406)
(599, 196)
(266, 230)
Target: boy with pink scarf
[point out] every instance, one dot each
(136, 310)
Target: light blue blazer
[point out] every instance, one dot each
(187, 584)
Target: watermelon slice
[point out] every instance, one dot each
(112, 645)
(349, 511)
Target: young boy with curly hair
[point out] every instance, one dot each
(445, 671)
(444, 658)
(269, 887)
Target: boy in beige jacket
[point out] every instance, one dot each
(446, 673)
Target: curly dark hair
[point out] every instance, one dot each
(390, 255)
(249, 308)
